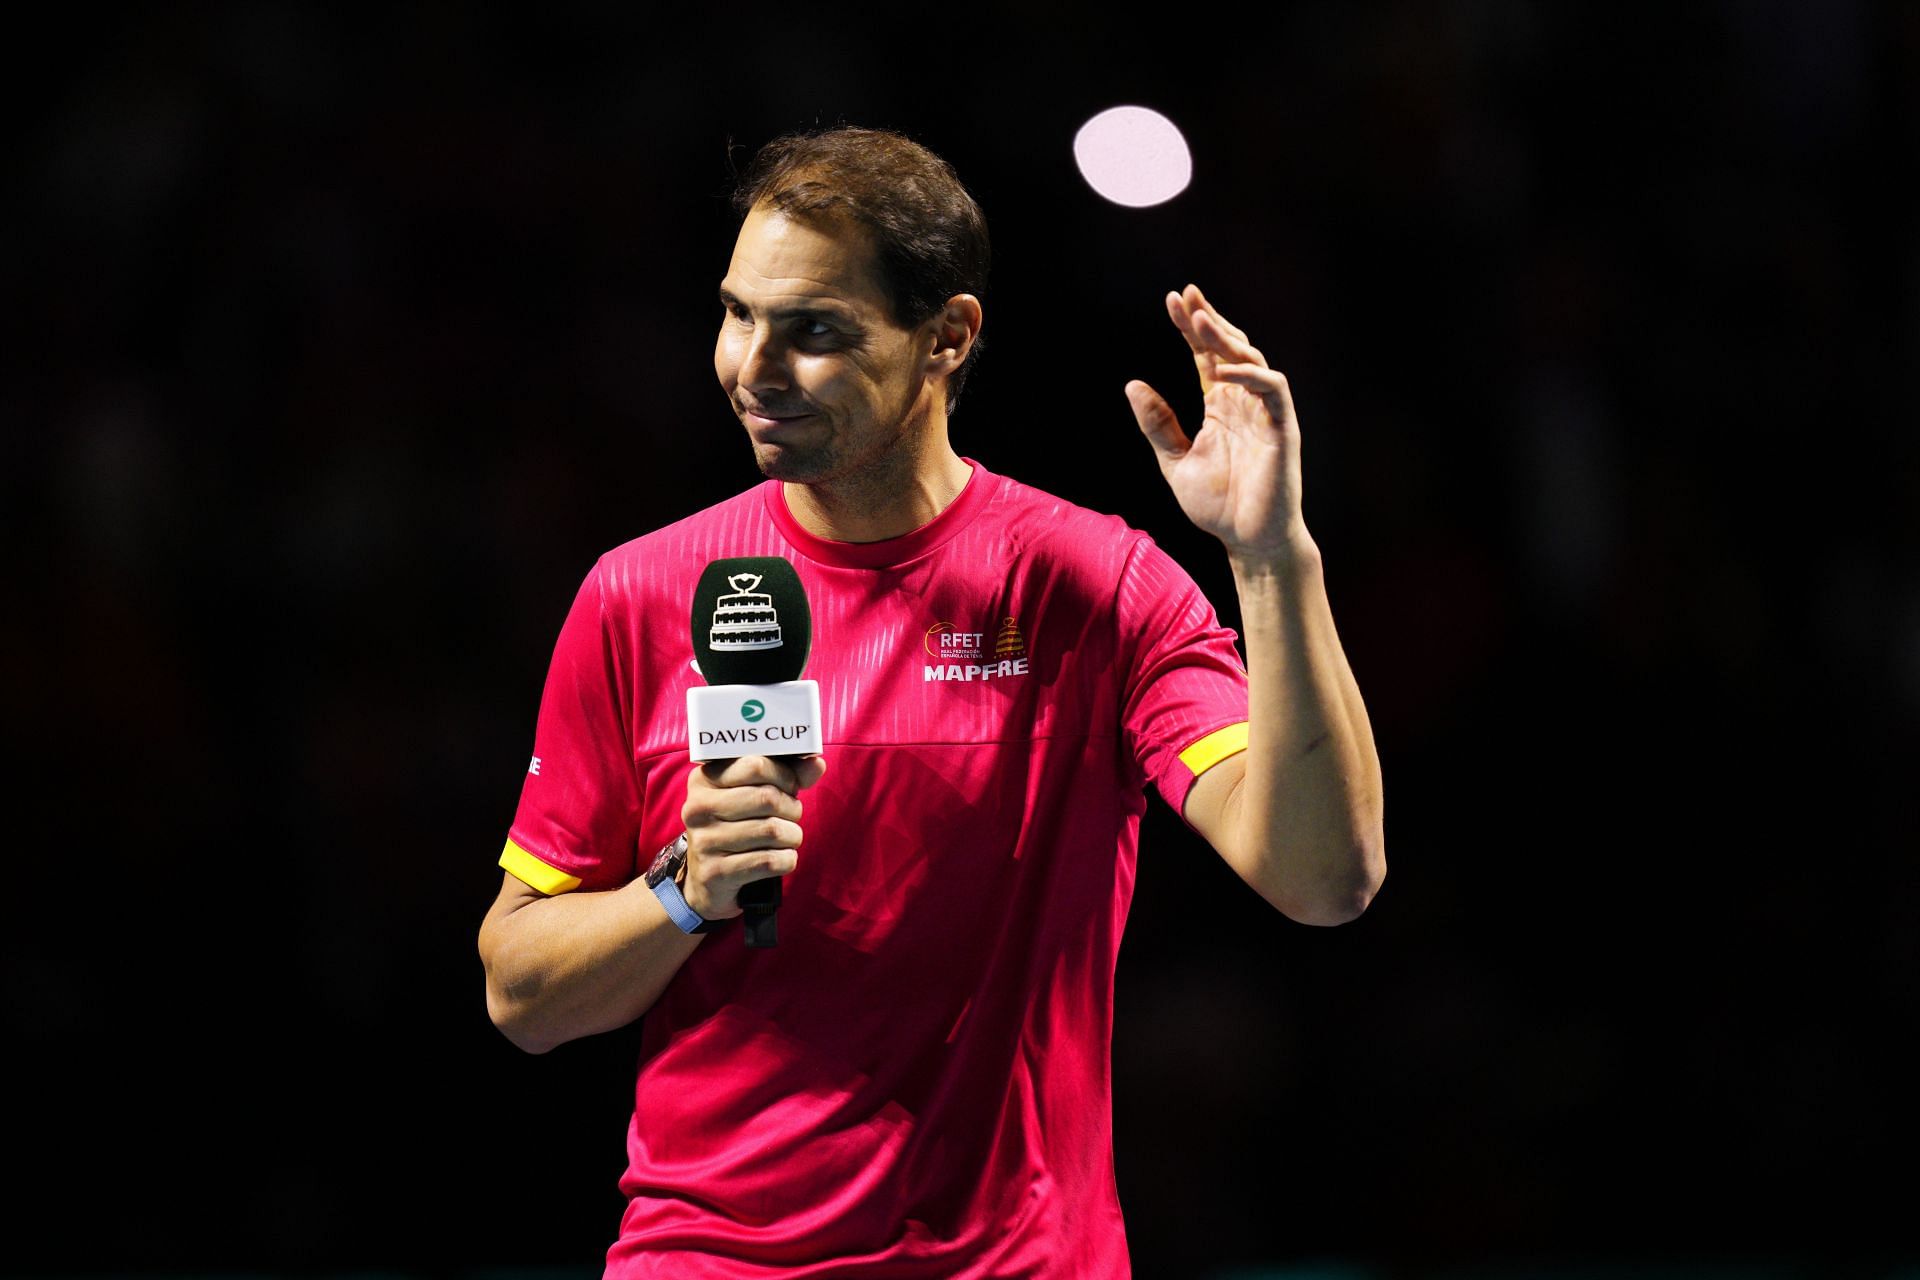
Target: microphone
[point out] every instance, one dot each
(752, 631)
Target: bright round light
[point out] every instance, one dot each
(1133, 156)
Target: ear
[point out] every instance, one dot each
(955, 329)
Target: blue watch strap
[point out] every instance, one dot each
(689, 920)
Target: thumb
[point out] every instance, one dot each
(1157, 421)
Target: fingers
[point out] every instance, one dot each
(747, 771)
(742, 821)
(749, 791)
(1207, 331)
(1213, 313)
(749, 836)
(1269, 384)
(713, 880)
(1223, 341)
(1183, 321)
(1157, 420)
(1259, 377)
(737, 804)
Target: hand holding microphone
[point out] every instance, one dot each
(742, 818)
(755, 729)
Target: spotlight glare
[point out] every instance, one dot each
(1133, 156)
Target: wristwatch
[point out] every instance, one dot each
(663, 878)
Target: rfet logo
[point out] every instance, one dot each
(961, 654)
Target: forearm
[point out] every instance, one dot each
(1309, 808)
(577, 964)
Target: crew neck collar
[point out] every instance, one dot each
(890, 552)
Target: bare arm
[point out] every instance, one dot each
(1299, 815)
(575, 964)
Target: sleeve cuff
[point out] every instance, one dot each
(1214, 748)
(546, 879)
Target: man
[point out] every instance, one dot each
(915, 1082)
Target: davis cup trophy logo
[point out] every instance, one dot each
(744, 618)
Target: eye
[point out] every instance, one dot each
(826, 330)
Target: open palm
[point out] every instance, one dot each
(1238, 476)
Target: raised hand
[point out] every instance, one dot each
(1238, 476)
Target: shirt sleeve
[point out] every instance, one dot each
(1185, 702)
(578, 820)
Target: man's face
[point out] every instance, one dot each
(805, 331)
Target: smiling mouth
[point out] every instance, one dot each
(760, 419)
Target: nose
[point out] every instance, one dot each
(763, 362)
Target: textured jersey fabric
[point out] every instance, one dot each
(915, 1081)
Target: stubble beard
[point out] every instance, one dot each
(835, 475)
(833, 465)
(800, 464)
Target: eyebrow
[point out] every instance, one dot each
(830, 311)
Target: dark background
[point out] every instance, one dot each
(338, 343)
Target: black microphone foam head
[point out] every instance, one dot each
(751, 624)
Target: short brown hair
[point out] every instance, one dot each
(929, 237)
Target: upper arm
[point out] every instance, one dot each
(515, 893)
(1212, 806)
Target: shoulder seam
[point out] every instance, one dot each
(1113, 604)
(621, 678)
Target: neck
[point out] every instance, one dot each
(903, 490)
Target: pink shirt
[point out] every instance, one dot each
(915, 1081)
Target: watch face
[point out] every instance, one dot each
(665, 863)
